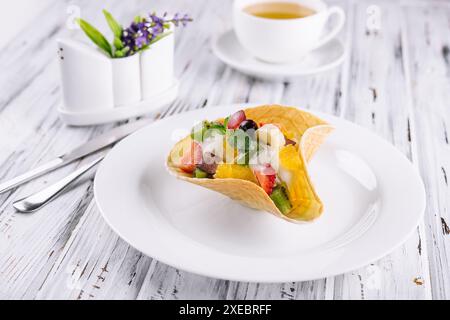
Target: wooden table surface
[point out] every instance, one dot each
(395, 81)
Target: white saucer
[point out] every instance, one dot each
(120, 113)
(228, 49)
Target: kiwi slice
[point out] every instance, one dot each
(280, 199)
(199, 173)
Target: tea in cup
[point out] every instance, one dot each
(281, 31)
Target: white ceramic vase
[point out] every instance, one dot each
(126, 80)
(93, 82)
(157, 67)
(86, 77)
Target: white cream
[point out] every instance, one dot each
(214, 145)
(266, 155)
(271, 135)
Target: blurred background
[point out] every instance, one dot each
(15, 15)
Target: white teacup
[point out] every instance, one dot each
(284, 40)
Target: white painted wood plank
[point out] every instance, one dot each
(19, 14)
(377, 99)
(253, 90)
(95, 264)
(73, 254)
(31, 243)
(93, 245)
(427, 29)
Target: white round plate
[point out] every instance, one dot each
(373, 199)
(228, 49)
(152, 104)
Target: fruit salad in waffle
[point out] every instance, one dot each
(257, 156)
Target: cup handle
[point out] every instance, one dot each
(341, 21)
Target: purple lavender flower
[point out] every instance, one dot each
(141, 41)
(156, 24)
(140, 34)
(135, 37)
(177, 19)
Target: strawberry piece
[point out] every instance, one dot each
(235, 119)
(266, 176)
(191, 157)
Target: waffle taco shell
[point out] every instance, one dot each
(308, 131)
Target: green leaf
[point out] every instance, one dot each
(247, 148)
(199, 130)
(96, 36)
(145, 47)
(118, 44)
(137, 19)
(219, 127)
(225, 122)
(240, 139)
(115, 27)
(119, 54)
(206, 129)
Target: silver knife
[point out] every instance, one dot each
(102, 141)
